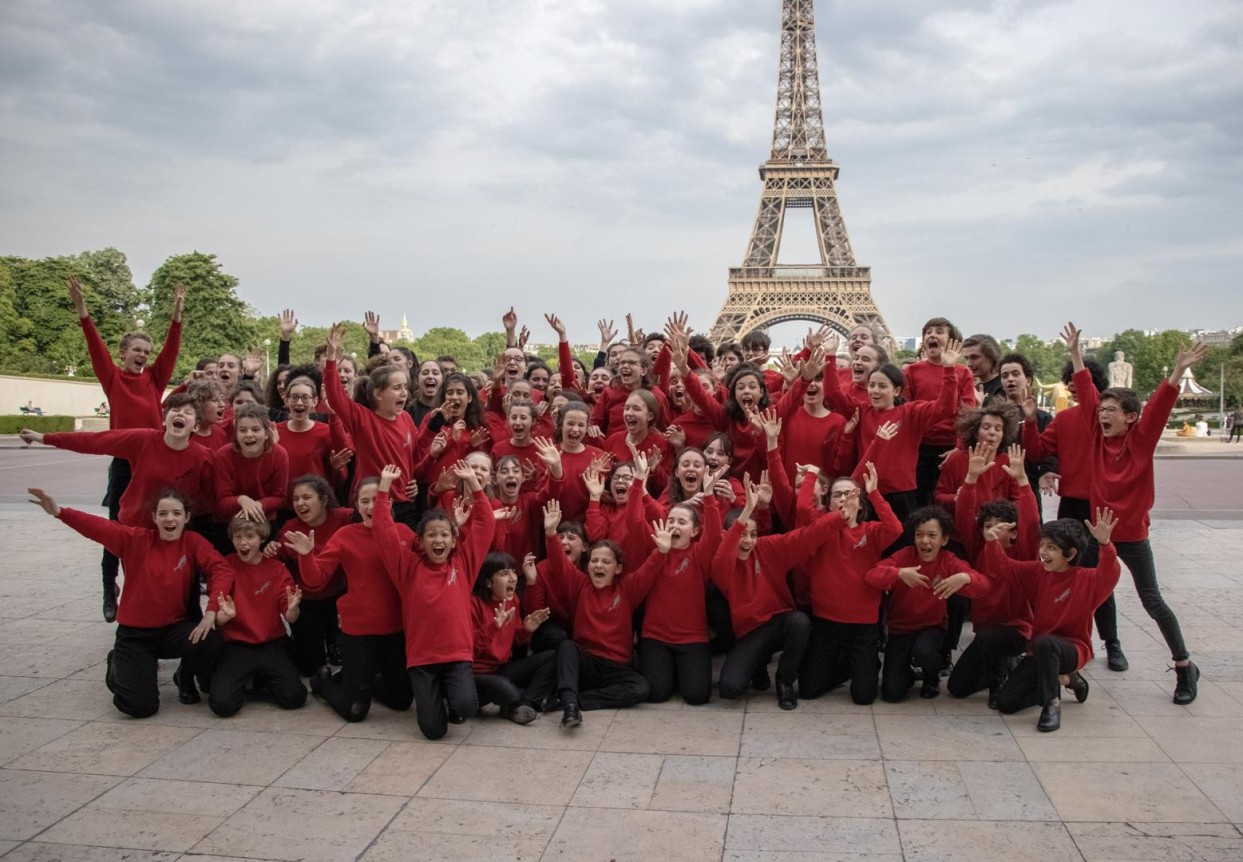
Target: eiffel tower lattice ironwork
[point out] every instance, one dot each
(799, 174)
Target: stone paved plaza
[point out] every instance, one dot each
(1129, 777)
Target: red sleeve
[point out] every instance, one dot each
(478, 531)
(966, 506)
(227, 504)
(1154, 417)
(101, 358)
(712, 410)
(727, 552)
(208, 560)
(792, 398)
(994, 561)
(116, 538)
(890, 528)
(343, 406)
(560, 578)
(1087, 396)
(317, 568)
(833, 395)
(949, 482)
(565, 366)
(1038, 445)
(928, 413)
(339, 436)
(398, 559)
(127, 443)
(639, 583)
(660, 368)
(844, 461)
(1107, 572)
(279, 482)
(979, 585)
(600, 410)
(1028, 543)
(792, 548)
(783, 492)
(597, 522)
(162, 369)
(221, 584)
(710, 532)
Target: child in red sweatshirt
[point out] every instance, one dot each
(373, 648)
(518, 686)
(1063, 597)
(1123, 445)
(162, 566)
(252, 473)
(594, 667)
(751, 572)
(919, 579)
(435, 583)
(247, 601)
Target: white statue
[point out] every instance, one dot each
(1120, 371)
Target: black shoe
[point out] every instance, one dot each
(108, 671)
(521, 714)
(1050, 718)
(1186, 689)
(930, 689)
(947, 667)
(787, 698)
(110, 603)
(1078, 686)
(333, 651)
(571, 716)
(760, 680)
(1116, 658)
(994, 699)
(186, 692)
(318, 679)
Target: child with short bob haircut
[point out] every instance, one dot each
(247, 602)
(252, 475)
(920, 578)
(435, 585)
(1063, 598)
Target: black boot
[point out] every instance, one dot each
(1050, 718)
(318, 679)
(521, 714)
(1116, 658)
(787, 698)
(110, 603)
(186, 692)
(930, 689)
(1186, 689)
(571, 716)
(1078, 686)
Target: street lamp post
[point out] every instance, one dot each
(267, 358)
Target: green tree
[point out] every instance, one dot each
(1047, 359)
(1150, 355)
(215, 319)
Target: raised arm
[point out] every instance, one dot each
(398, 560)
(166, 361)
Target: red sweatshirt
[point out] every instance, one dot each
(1062, 603)
(603, 619)
(264, 479)
(216, 436)
(968, 532)
(756, 587)
(993, 484)
(495, 646)
(913, 609)
(924, 381)
(676, 610)
(895, 460)
(334, 520)
(839, 588)
(310, 451)
(1070, 439)
(377, 441)
(1122, 466)
(258, 592)
(435, 598)
(807, 439)
(626, 525)
(156, 467)
(574, 497)
(371, 604)
(652, 444)
(158, 574)
(133, 399)
(847, 395)
(606, 413)
(520, 535)
(749, 445)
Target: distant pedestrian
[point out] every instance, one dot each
(1236, 425)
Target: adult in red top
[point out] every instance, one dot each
(1123, 445)
(435, 583)
(163, 565)
(134, 395)
(1063, 597)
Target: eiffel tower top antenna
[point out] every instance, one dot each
(798, 131)
(798, 175)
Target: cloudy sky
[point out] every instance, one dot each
(1007, 164)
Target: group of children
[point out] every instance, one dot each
(576, 539)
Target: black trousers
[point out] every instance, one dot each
(957, 607)
(524, 681)
(596, 683)
(267, 665)
(1034, 682)
(547, 636)
(439, 688)
(119, 475)
(901, 651)
(408, 512)
(315, 627)
(1106, 615)
(983, 663)
(928, 471)
(686, 667)
(719, 621)
(372, 666)
(787, 632)
(1138, 559)
(837, 652)
(133, 663)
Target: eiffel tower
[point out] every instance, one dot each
(799, 173)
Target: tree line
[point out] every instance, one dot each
(39, 331)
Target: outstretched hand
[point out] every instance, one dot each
(44, 501)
